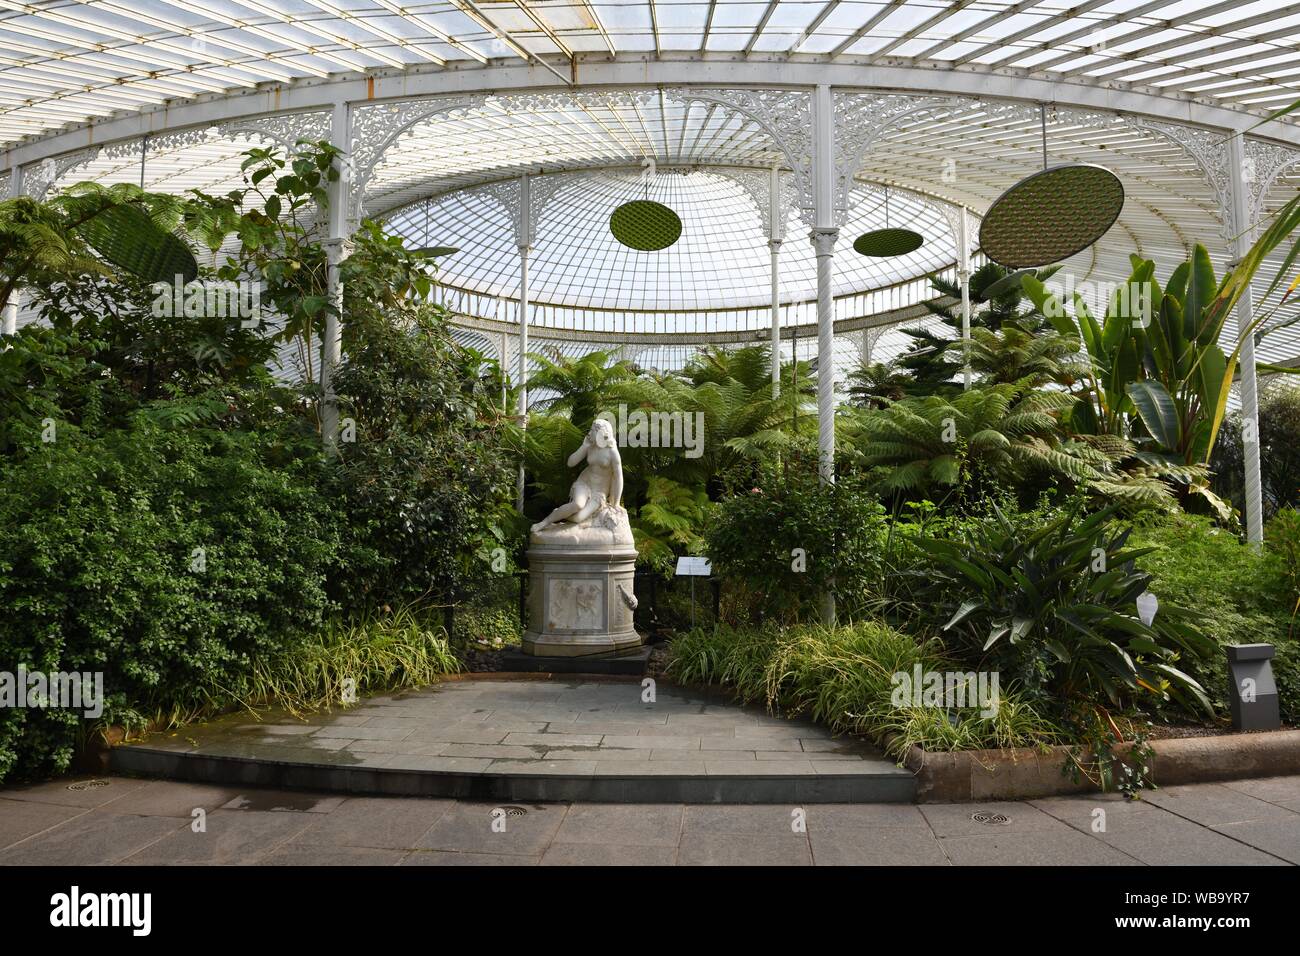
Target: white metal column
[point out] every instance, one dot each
(1245, 317)
(963, 276)
(823, 237)
(524, 238)
(9, 323)
(775, 229)
(503, 351)
(339, 193)
(824, 233)
(774, 246)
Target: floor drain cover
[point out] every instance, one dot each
(88, 785)
(990, 818)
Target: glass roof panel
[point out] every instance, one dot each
(721, 262)
(70, 60)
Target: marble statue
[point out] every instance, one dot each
(594, 513)
(582, 561)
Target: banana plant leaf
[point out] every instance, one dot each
(1157, 411)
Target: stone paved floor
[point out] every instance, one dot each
(134, 821)
(568, 727)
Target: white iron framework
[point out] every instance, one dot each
(510, 128)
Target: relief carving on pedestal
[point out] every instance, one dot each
(576, 604)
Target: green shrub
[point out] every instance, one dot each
(1240, 594)
(1283, 541)
(182, 534)
(167, 560)
(845, 678)
(1279, 451)
(1052, 608)
(783, 544)
(345, 660)
(426, 482)
(45, 374)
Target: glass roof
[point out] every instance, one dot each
(722, 260)
(66, 61)
(716, 280)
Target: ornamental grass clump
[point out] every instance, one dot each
(382, 650)
(849, 678)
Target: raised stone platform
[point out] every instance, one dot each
(632, 662)
(524, 739)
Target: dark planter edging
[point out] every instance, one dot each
(1025, 773)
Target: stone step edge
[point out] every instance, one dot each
(385, 781)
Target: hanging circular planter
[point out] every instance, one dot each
(645, 225)
(886, 243)
(1051, 215)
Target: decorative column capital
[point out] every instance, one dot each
(337, 249)
(823, 239)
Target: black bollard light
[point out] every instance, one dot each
(1253, 696)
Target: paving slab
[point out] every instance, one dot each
(376, 822)
(1148, 833)
(529, 739)
(1216, 804)
(869, 847)
(744, 821)
(79, 791)
(455, 858)
(90, 839)
(577, 854)
(622, 825)
(958, 819)
(788, 744)
(282, 801)
(1283, 791)
(169, 799)
(484, 828)
(1279, 838)
(148, 825)
(847, 817)
(230, 837)
(21, 819)
(292, 854)
(720, 849)
(1032, 848)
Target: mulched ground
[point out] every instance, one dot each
(1170, 731)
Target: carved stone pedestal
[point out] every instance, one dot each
(580, 589)
(580, 600)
